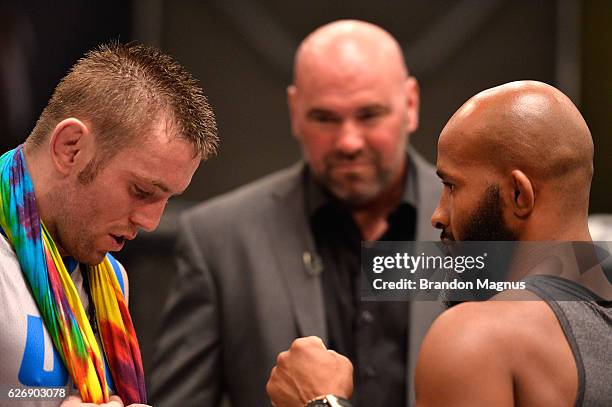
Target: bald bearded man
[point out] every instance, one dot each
(516, 162)
(279, 258)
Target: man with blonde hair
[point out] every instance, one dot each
(124, 131)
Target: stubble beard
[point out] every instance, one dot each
(487, 222)
(70, 232)
(356, 188)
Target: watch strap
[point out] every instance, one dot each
(329, 400)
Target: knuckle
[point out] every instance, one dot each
(346, 362)
(298, 343)
(272, 374)
(281, 359)
(269, 387)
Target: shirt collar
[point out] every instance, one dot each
(71, 263)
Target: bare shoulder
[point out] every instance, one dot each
(461, 362)
(486, 323)
(480, 329)
(476, 352)
(494, 325)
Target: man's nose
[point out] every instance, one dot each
(350, 140)
(439, 218)
(147, 217)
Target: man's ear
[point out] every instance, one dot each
(67, 143)
(293, 115)
(413, 100)
(523, 194)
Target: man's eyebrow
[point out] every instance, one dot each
(157, 184)
(318, 112)
(165, 189)
(375, 108)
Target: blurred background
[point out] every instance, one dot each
(242, 51)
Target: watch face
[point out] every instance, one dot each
(319, 403)
(329, 401)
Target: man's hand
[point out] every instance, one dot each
(308, 370)
(115, 401)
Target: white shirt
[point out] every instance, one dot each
(29, 364)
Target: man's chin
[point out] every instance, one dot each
(355, 196)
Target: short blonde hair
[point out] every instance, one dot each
(122, 90)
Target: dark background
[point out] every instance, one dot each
(242, 52)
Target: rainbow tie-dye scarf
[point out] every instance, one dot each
(58, 300)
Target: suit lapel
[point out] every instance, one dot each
(293, 245)
(422, 313)
(428, 189)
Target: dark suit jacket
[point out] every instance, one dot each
(243, 293)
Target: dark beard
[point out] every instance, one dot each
(486, 224)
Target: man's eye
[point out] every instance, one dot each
(369, 116)
(449, 186)
(323, 117)
(326, 119)
(140, 193)
(372, 113)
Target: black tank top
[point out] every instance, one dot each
(586, 320)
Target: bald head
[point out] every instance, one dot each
(348, 47)
(516, 162)
(352, 107)
(528, 126)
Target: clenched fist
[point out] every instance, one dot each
(308, 370)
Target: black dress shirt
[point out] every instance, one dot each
(373, 334)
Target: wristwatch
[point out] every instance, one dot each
(329, 400)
